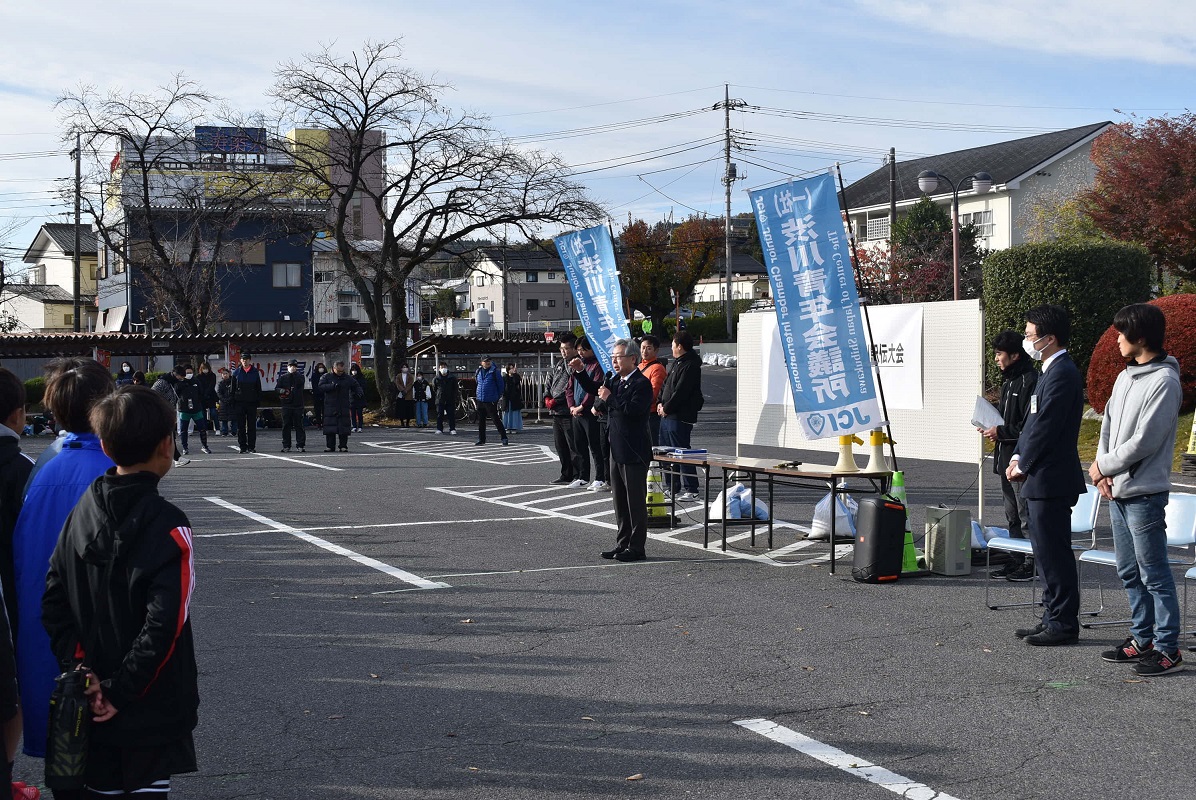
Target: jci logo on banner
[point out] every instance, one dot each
(818, 310)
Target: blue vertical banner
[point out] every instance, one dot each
(818, 309)
(589, 258)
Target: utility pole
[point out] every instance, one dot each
(892, 190)
(504, 288)
(729, 178)
(78, 153)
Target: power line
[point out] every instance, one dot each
(608, 103)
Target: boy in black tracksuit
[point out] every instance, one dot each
(290, 395)
(143, 689)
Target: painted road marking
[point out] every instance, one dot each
(852, 765)
(436, 522)
(537, 504)
(372, 563)
(492, 453)
(292, 460)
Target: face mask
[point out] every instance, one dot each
(290, 369)
(190, 375)
(1028, 346)
(126, 368)
(320, 369)
(444, 370)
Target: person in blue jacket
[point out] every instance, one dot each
(52, 494)
(490, 388)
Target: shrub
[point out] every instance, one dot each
(1107, 363)
(35, 390)
(1092, 280)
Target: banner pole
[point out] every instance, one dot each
(855, 265)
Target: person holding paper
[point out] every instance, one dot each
(1018, 379)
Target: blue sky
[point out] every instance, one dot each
(540, 67)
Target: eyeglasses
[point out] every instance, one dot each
(624, 355)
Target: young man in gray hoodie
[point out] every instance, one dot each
(1133, 470)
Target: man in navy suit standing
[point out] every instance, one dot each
(1047, 460)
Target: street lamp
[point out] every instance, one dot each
(928, 181)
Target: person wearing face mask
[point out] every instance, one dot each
(207, 392)
(125, 376)
(357, 402)
(341, 391)
(404, 405)
(246, 396)
(445, 390)
(422, 393)
(224, 388)
(317, 394)
(190, 407)
(290, 396)
(1047, 462)
(512, 400)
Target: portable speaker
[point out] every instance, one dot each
(880, 540)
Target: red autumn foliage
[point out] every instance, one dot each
(1107, 363)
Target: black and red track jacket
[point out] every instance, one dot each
(143, 651)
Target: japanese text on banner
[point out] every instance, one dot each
(589, 259)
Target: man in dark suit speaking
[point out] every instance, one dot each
(1047, 460)
(628, 397)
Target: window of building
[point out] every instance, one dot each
(287, 276)
(347, 297)
(982, 220)
(325, 277)
(533, 304)
(479, 280)
(355, 216)
(551, 276)
(531, 277)
(877, 227)
(68, 320)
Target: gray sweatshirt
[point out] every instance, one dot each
(1137, 436)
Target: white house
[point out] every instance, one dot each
(1023, 171)
(749, 281)
(537, 295)
(42, 297)
(335, 300)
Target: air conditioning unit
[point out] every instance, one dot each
(347, 312)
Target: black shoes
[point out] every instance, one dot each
(478, 443)
(631, 555)
(505, 442)
(608, 554)
(1005, 570)
(561, 482)
(1049, 638)
(1023, 572)
(1022, 633)
(1128, 651)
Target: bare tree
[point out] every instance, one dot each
(169, 209)
(433, 176)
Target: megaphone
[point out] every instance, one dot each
(876, 461)
(846, 461)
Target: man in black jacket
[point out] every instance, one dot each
(446, 390)
(558, 409)
(680, 401)
(246, 396)
(131, 628)
(1047, 460)
(1018, 379)
(290, 395)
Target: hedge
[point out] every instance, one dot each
(1107, 363)
(1092, 280)
(35, 390)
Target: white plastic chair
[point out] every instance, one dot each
(1181, 534)
(1083, 521)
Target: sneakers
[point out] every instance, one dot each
(577, 484)
(1023, 572)
(1128, 651)
(1005, 570)
(186, 452)
(599, 486)
(206, 449)
(478, 443)
(23, 791)
(286, 449)
(439, 432)
(1156, 662)
(182, 462)
(688, 497)
(302, 450)
(452, 433)
(505, 442)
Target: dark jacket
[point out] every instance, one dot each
(290, 389)
(247, 387)
(1017, 384)
(420, 390)
(1046, 449)
(626, 414)
(681, 394)
(317, 394)
(446, 390)
(190, 396)
(143, 650)
(123, 379)
(357, 402)
(339, 393)
(207, 388)
(15, 468)
(224, 390)
(512, 393)
(558, 387)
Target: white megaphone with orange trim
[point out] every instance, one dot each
(876, 461)
(846, 461)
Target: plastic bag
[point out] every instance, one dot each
(845, 513)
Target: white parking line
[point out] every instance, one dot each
(292, 460)
(852, 765)
(436, 522)
(372, 563)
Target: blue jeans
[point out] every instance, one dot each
(421, 412)
(1140, 539)
(675, 433)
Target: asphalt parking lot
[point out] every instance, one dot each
(422, 618)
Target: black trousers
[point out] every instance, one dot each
(246, 417)
(1017, 514)
(562, 435)
(292, 419)
(491, 410)
(446, 411)
(1050, 536)
(332, 437)
(587, 439)
(629, 486)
